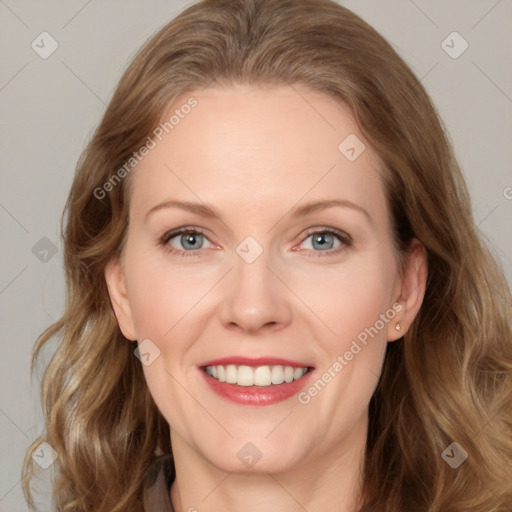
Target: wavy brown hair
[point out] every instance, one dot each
(450, 377)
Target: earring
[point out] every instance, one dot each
(397, 327)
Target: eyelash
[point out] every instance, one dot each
(344, 238)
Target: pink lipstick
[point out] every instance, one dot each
(255, 381)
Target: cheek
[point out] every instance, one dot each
(358, 311)
(161, 295)
(162, 303)
(350, 298)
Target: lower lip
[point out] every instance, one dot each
(255, 395)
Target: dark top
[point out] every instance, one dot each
(157, 485)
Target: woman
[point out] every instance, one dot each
(273, 269)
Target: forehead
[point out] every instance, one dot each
(257, 147)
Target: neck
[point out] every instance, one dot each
(324, 482)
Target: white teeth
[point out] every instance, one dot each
(297, 373)
(262, 376)
(277, 375)
(231, 374)
(245, 376)
(288, 374)
(255, 376)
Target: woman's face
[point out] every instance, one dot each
(288, 262)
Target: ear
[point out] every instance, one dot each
(115, 278)
(410, 289)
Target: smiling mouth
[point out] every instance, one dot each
(260, 376)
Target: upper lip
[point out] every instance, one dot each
(258, 361)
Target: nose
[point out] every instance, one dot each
(255, 299)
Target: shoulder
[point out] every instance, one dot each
(157, 484)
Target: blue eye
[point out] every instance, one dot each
(192, 239)
(324, 238)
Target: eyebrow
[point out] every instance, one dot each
(203, 210)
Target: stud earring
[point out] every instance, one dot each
(397, 327)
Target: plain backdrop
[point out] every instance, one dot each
(50, 106)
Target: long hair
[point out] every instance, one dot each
(449, 379)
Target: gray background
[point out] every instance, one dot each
(49, 108)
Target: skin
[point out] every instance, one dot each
(254, 153)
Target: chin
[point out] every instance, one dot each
(255, 457)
